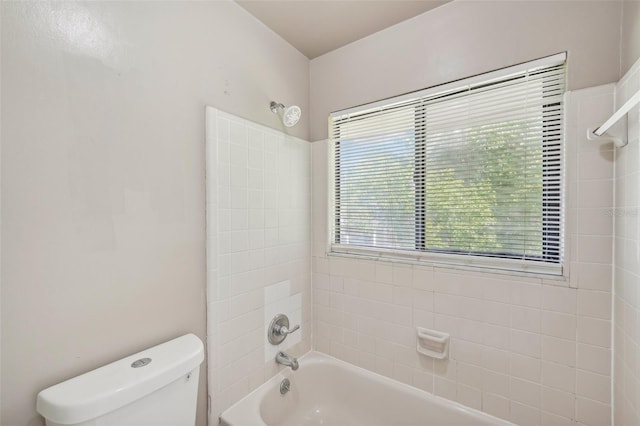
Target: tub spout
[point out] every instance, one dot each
(285, 359)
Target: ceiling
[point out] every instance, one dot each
(316, 27)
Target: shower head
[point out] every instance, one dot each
(290, 114)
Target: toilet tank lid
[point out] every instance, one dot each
(108, 388)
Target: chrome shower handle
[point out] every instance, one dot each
(279, 329)
(282, 330)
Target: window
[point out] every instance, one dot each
(466, 173)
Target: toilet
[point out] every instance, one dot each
(155, 387)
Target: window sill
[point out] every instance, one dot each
(537, 276)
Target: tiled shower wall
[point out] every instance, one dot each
(531, 350)
(627, 263)
(258, 251)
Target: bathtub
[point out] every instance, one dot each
(326, 391)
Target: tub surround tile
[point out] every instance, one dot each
(258, 252)
(552, 419)
(527, 349)
(626, 305)
(590, 412)
(445, 388)
(525, 367)
(595, 359)
(593, 386)
(558, 403)
(557, 324)
(469, 396)
(524, 415)
(495, 405)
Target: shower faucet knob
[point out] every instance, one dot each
(279, 329)
(283, 330)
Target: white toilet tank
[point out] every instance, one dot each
(155, 387)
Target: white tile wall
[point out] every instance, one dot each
(258, 251)
(531, 350)
(627, 267)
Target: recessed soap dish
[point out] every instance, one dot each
(432, 343)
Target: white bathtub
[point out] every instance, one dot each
(326, 391)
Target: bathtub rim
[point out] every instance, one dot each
(317, 357)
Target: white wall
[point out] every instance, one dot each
(103, 182)
(463, 38)
(258, 252)
(626, 383)
(630, 36)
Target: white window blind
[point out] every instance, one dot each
(468, 173)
